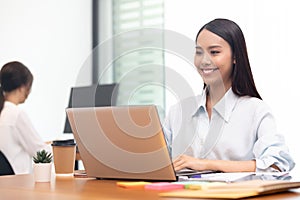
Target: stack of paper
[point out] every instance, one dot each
(236, 190)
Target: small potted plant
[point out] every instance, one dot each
(42, 166)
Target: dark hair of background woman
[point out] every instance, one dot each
(242, 78)
(13, 75)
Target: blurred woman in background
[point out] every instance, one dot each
(19, 139)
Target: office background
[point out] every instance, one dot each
(54, 39)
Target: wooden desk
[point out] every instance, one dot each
(63, 188)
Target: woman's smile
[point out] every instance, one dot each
(208, 71)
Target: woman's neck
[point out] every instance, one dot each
(215, 94)
(12, 97)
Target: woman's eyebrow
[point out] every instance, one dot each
(215, 46)
(210, 47)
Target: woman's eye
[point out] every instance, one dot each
(214, 52)
(199, 52)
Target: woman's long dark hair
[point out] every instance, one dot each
(242, 78)
(13, 75)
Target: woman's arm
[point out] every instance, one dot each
(185, 161)
(28, 137)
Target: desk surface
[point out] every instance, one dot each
(61, 188)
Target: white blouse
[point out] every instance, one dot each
(19, 140)
(240, 128)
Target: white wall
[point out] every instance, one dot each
(53, 39)
(272, 36)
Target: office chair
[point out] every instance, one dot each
(5, 167)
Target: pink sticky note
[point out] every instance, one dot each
(163, 186)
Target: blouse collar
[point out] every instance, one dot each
(224, 107)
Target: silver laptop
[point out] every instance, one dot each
(125, 142)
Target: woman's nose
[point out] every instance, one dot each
(206, 61)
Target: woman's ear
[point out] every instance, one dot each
(20, 89)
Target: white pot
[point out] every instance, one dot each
(42, 172)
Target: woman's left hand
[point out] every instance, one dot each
(185, 161)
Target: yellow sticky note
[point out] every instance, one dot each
(133, 185)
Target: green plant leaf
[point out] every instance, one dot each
(42, 157)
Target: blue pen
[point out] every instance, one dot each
(196, 176)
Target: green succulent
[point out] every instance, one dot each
(42, 157)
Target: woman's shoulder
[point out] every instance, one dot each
(11, 107)
(254, 104)
(252, 100)
(11, 112)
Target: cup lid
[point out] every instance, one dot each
(69, 142)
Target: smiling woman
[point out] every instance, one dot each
(228, 127)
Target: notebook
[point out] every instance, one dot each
(122, 142)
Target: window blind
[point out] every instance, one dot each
(138, 52)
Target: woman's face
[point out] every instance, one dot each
(25, 91)
(213, 59)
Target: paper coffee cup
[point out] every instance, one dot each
(64, 153)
